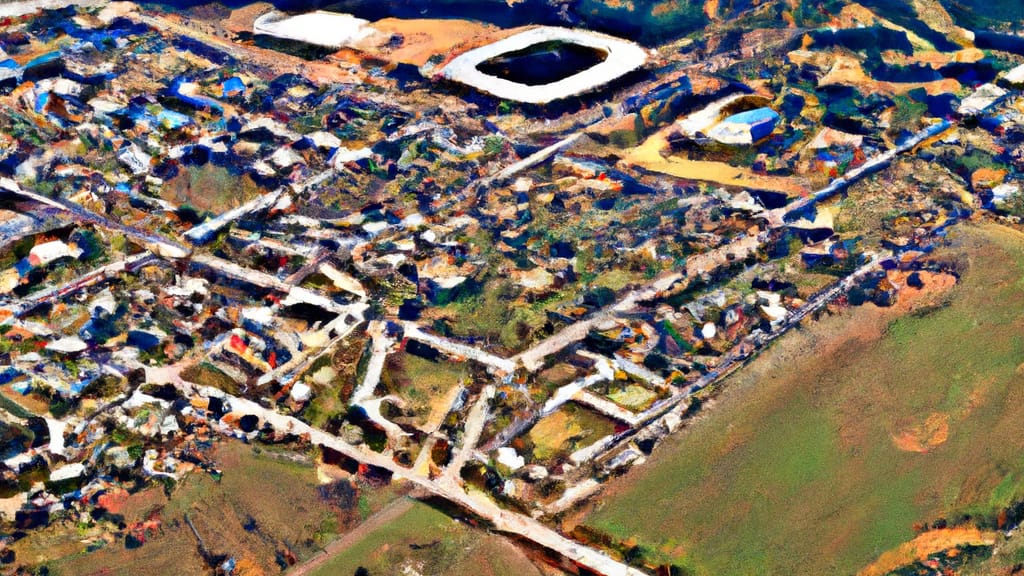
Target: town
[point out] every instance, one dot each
(498, 266)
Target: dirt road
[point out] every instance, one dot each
(387, 515)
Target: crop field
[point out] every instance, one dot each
(823, 453)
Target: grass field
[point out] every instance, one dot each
(428, 541)
(571, 428)
(210, 188)
(425, 385)
(803, 464)
(262, 505)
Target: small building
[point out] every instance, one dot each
(746, 127)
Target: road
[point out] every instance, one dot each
(28, 303)
(698, 264)
(472, 430)
(157, 244)
(297, 293)
(502, 520)
(206, 231)
(375, 367)
(414, 332)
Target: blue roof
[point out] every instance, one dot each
(9, 63)
(41, 101)
(8, 374)
(171, 119)
(756, 116)
(23, 267)
(233, 84)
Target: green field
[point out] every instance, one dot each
(795, 468)
(428, 541)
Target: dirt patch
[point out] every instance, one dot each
(923, 436)
(925, 545)
(649, 155)
(935, 285)
(848, 71)
(242, 19)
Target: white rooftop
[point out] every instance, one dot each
(330, 29)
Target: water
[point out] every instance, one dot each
(543, 63)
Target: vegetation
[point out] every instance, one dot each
(431, 542)
(804, 467)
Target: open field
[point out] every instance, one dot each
(567, 430)
(263, 505)
(425, 385)
(429, 542)
(804, 465)
(210, 188)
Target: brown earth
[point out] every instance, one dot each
(925, 545)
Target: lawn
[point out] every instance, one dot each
(824, 452)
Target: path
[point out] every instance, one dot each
(375, 367)
(472, 430)
(390, 513)
(28, 303)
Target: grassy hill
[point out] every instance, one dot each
(827, 450)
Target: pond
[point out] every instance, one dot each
(543, 63)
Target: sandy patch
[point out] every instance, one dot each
(423, 38)
(649, 155)
(711, 9)
(847, 71)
